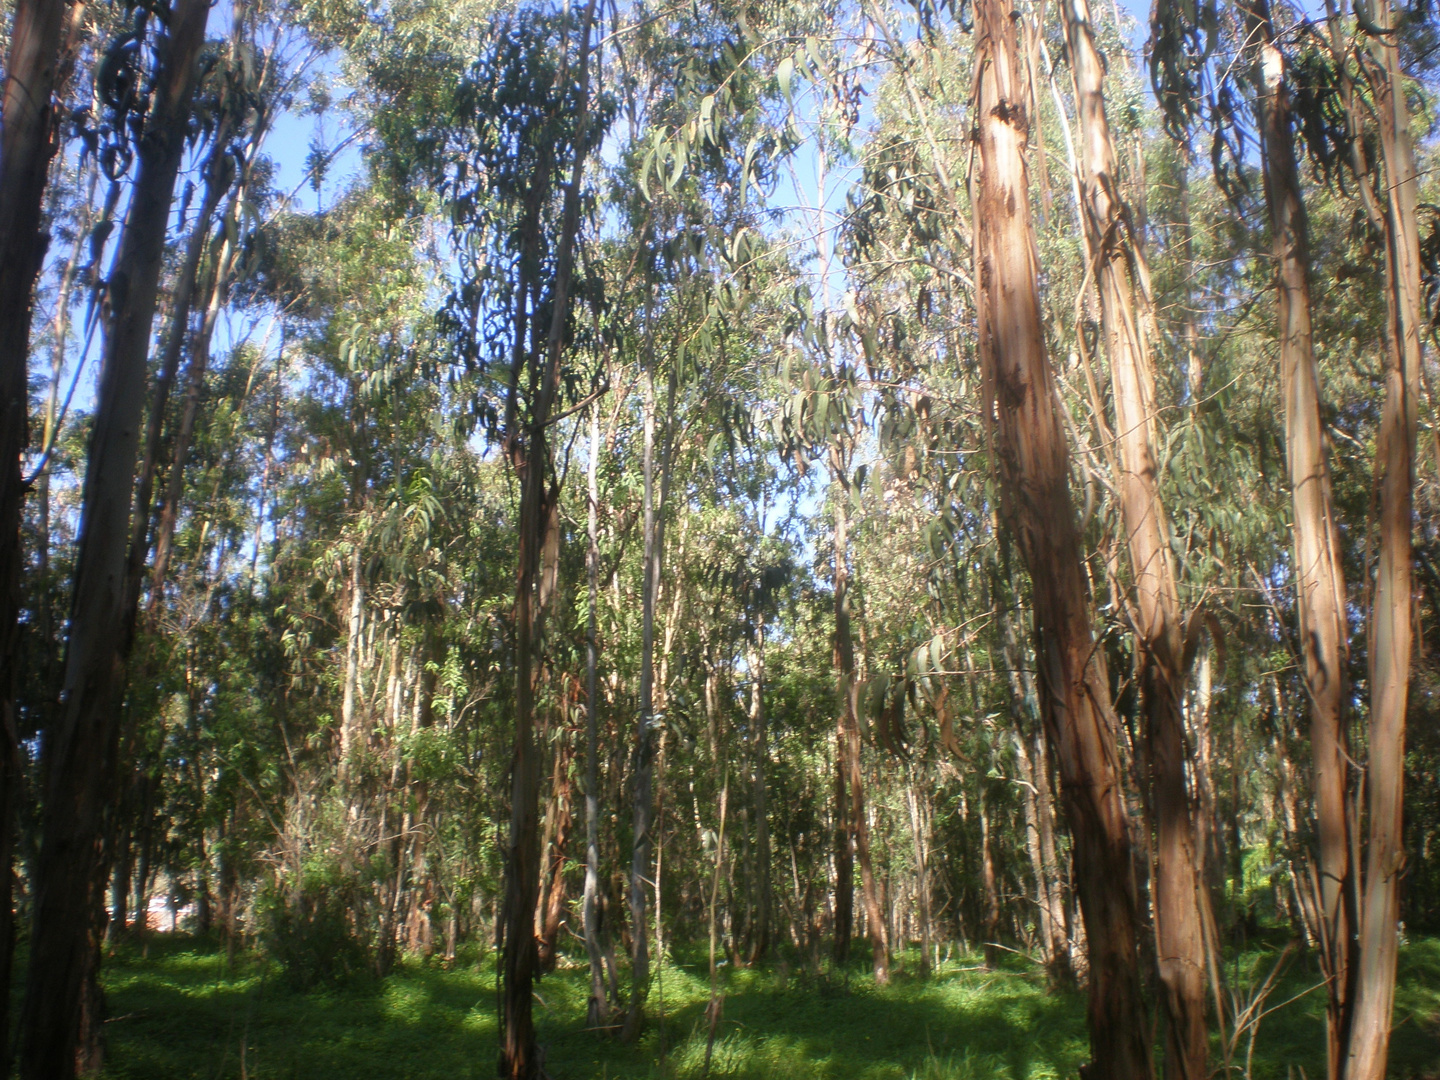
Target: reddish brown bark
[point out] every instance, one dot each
(1032, 462)
(1117, 258)
(561, 787)
(1319, 576)
(1391, 625)
(519, 1055)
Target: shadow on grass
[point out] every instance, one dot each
(178, 1013)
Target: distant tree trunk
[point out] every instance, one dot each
(920, 836)
(350, 693)
(643, 767)
(561, 786)
(597, 1013)
(1031, 460)
(1032, 849)
(1319, 575)
(79, 752)
(850, 779)
(760, 928)
(1391, 624)
(26, 148)
(990, 928)
(519, 1059)
(1117, 253)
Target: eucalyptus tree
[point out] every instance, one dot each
(531, 125)
(1343, 92)
(1116, 259)
(1031, 462)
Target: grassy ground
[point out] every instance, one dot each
(176, 1013)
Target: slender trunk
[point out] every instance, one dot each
(79, 752)
(1319, 576)
(1118, 255)
(850, 785)
(561, 786)
(716, 1006)
(760, 928)
(920, 835)
(519, 1059)
(1391, 624)
(990, 927)
(1031, 458)
(598, 1010)
(643, 769)
(354, 629)
(1032, 849)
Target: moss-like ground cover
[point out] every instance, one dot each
(176, 1012)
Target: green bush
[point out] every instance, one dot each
(311, 934)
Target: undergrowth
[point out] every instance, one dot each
(177, 1012)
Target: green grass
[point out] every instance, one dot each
(176, 1013)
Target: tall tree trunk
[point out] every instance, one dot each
(1031, 459)
(79, 752)
(989, 888)
(850, 781)
(643, 768)
(26, 148)
(1117, 253)
(1391, 625)
(519, 1058)
(598, 1011)
(920, 817)
(1319, 576)
(354, 630)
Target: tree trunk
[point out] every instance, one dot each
(643, 769)
(1319, 576)
(598, 1011)
(561, 785)
(519, 1059)
(1031, 459)
(1117, 265)
(853, 831)
(80, 750)
(760, 928)
(990, 927)
(920, 835)
(26, 148)
(1391, 625)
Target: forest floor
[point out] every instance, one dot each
(176, 1012)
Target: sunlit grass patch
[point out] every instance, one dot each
(181, 1012)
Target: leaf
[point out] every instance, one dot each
(937, 653)
(745, 167)
(784, 72)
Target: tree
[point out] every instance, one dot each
(1117, 261)
(1031, 464)
(28, 144)
(79, 751)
